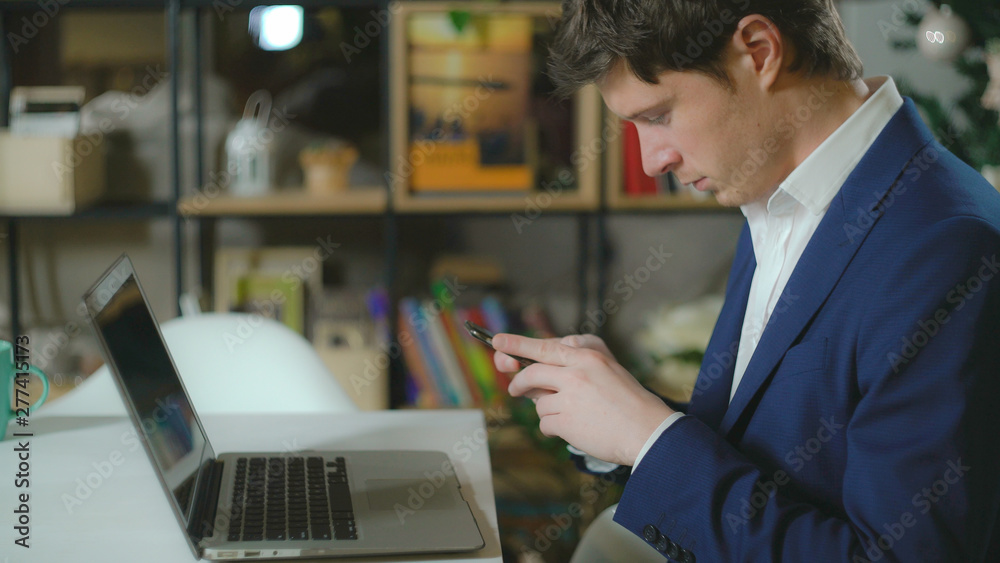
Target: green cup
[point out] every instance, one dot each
(12, 402)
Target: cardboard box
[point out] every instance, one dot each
(48, 175)
(362, 370)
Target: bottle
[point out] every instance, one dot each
(248, 148)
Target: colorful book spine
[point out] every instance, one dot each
(493, 315)
(478, 316)
(422, 391)
(480, 360)
(420, 331)
(446, 355)
(454, 330)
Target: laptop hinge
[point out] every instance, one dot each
(202, 523)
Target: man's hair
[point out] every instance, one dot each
(653, 36)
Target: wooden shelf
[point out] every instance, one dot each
(522, 202)
(665, 203)
(104, 210)
(357, 201)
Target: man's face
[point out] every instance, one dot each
(703, 132)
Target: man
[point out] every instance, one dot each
(845, 408)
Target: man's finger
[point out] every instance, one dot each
(536, 394)
(540, 350)
(534, 381)
(505, 363)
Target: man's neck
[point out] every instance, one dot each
(830, 104)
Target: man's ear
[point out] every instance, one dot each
(760, 49)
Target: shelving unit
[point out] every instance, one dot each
(597, 194)
(113, 211)
(585, 197)
(366, 201)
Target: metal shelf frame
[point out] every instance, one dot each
(593, 246)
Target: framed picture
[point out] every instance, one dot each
(279, 283)
(473, 119)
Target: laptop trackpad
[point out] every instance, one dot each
(413, 494)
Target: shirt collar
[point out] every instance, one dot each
(819, 177)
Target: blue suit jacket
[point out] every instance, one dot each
(865, 427)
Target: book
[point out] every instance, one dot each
(277, 279)
(453, 330)
(476, 315)
(272, 297)
(480, 360)
(637, 183)
(418, 328)
(445, 353)
(422, 391)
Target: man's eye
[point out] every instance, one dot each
(658, 120)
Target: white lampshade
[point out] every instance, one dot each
(942, 35)
(276, 28)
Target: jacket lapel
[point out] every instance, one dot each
(710, 397)
(849, 219)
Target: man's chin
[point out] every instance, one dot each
(728, 198)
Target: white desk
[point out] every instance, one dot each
(126, 517)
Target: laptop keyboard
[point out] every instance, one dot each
(291, 498)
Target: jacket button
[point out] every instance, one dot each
(664, 544)
(673, 551)
(686, 556)
(650, 533)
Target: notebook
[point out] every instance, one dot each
(261, 505)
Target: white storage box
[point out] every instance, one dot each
(48, 175)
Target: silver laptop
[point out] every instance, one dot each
(267, 505)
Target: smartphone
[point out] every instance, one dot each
(486, 337)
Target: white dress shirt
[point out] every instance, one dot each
(780, 228)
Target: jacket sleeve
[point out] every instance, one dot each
(922, 471)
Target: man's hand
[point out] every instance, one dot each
(582, 394)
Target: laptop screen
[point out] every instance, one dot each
(160, 407)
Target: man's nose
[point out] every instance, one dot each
(658, 157)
